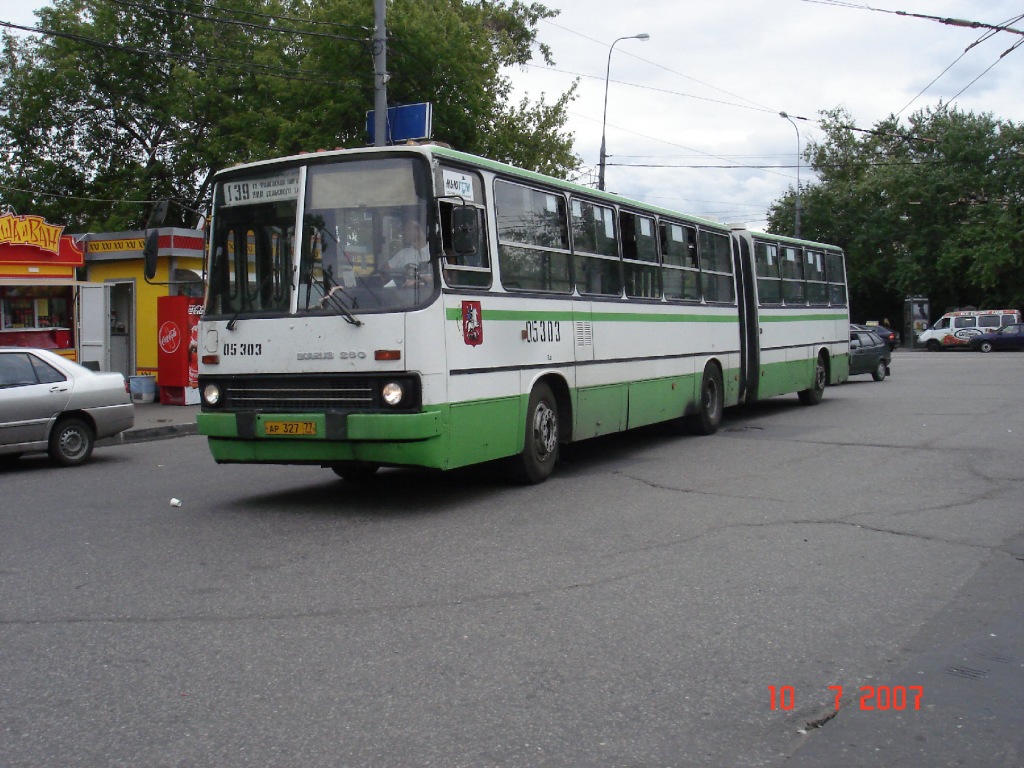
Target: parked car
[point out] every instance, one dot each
(48, 403)
(869, 354)
(885, 334)
(1008, 337)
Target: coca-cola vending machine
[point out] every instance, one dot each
(177, 320)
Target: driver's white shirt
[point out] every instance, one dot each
(408, 255)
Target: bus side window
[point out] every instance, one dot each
(533, 238)
(595, 248)
(463, 267)
(836, 279)
(769, 285)
(640, 256)
(716, 267)
(680, 270)
(793, 275)
(814, 271)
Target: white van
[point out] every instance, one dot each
(955, 329)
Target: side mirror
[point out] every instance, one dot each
(152, 246)
(157, 215)
(465, 231)
(150, 251)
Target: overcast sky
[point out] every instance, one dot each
(706, 89)
(708, 86)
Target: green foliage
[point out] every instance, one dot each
(127, 101)
(935, 207)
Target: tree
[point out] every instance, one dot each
(122, 101)
(935, 207)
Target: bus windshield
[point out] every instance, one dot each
(363, 236)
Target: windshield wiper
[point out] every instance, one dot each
(336, 301)
(329, 285)
(259, 289)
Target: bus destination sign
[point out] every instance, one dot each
(268, 189)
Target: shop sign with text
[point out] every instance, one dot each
(32, 240)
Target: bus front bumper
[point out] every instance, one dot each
(406, 439)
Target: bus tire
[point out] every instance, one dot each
(813, 395)
(710, 406)
(540, 446)
(355, 472)
(933, 346)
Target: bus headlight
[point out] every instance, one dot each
(393, 393)
(211, 394)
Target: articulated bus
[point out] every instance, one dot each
(421, 307)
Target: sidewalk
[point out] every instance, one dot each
(154, 421)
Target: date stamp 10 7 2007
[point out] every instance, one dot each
(880, 698)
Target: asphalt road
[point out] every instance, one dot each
(633, 611)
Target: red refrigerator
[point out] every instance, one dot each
(177, 320)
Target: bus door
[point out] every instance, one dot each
(750, 342)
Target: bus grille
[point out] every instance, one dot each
(301, 394)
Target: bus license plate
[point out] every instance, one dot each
(289, 428)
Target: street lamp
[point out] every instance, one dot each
(797, 227)
(604, 117)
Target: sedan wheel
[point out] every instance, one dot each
(879, 373)
(71, 442)
(985, 346)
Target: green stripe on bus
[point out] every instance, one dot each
(800, 318)
(455, 313)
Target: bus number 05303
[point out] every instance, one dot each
(542, 330)
(250, 350)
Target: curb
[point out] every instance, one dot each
(147, 434)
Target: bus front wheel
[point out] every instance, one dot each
(813, 395)
(540, 446)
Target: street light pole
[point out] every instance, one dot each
(604, 117)
(797, 225)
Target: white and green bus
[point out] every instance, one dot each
(418, 306)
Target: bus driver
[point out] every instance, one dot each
(414, 253)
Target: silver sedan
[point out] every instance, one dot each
(48, 403)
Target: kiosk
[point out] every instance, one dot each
(39, 292)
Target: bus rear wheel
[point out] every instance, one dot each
(813, 395)
(540, 446)
(709, 416)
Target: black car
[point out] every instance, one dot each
(1008, 337)
(885, 334)
(868, 354)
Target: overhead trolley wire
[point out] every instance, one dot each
(762, 107)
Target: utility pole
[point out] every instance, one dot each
(380, 75)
